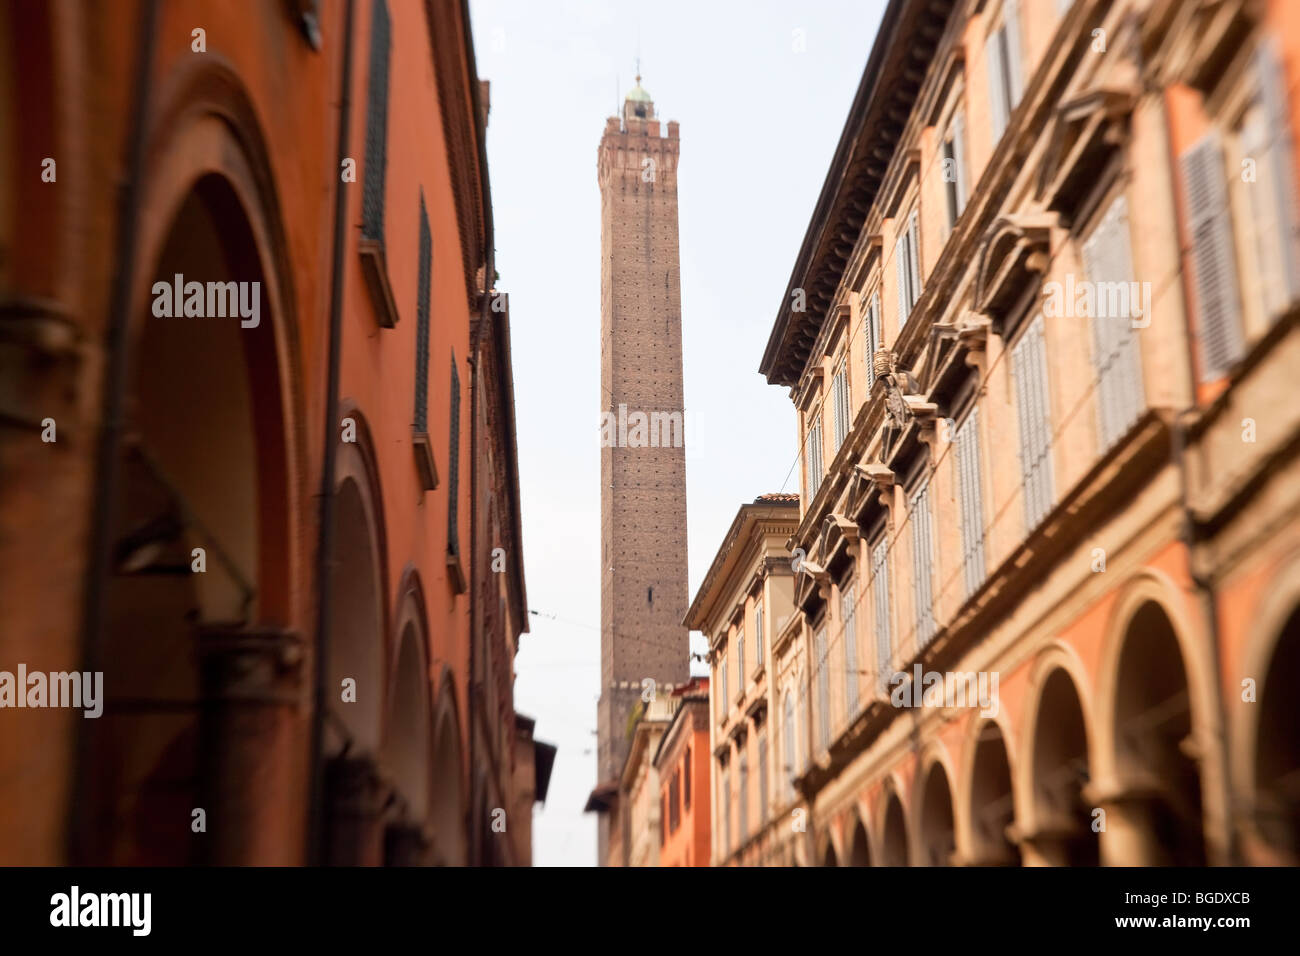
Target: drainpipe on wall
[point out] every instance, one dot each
(114, 401)
(1204, 586)
(325, 544)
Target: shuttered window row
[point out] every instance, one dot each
(970, 493)
(843, 411)
(1117, 360)
(907, 257)
(880, 588)
(823, 691)
(1002, 53)
(923, 564)
(848, 617)
(1029, 369)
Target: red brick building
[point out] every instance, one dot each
(289, 539)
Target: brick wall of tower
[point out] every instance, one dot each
(643, 490)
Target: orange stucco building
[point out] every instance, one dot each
(682, 764)
(291, 544)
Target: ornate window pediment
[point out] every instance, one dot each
(1013, 257)
(1193, 41)
(1088, 130)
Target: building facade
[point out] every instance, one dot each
(682, 763)
(745, 608)
(1038, 337)
(642, 456)
(288, 537)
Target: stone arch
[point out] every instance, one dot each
(408, 725)
(859, 853)
(986, 801)
(1266, 733)
(892, 826)
(448, 821)
(933, 811)
(1158, 730)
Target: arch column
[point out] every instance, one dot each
(252, 682)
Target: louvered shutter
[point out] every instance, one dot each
(1000, 109)
(923, 565)
(972, 508)
(1011, 21)
(848, 618)
(740, 661)
(900, 258)
(789, 754)
(875, 340)
(759, 638)
(1213, 258)
(959, 157)
(914, 259)
(1271, 81)
(372, 196)
(743, 796)
(880, 588)
(1107, 261)
(1029, 368)
(869, 343)
(823, 692)
(423, 284)
(762, 778)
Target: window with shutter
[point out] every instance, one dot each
(874, 338)
(742, 795)
(789, 734)
(1002, 52)
(970, 489)
(959, 159)
(762, 778)
(759, 638)
(453, 465)
(1213, 263)
(1029, 369)
(816, 463)
(740, 662)
(880, 596)
(843, 414)
(823, 691)
(914, 258)
(923, 565)
(722, 684)
(425, 261)
(904, 294)
(372, 196)
(726, 814)
(848, 620)
(1276, 214)
(1117, 360)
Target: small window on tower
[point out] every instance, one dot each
(649, 595)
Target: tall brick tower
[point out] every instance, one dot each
(643, 595)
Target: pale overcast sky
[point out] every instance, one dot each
(759, 123)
